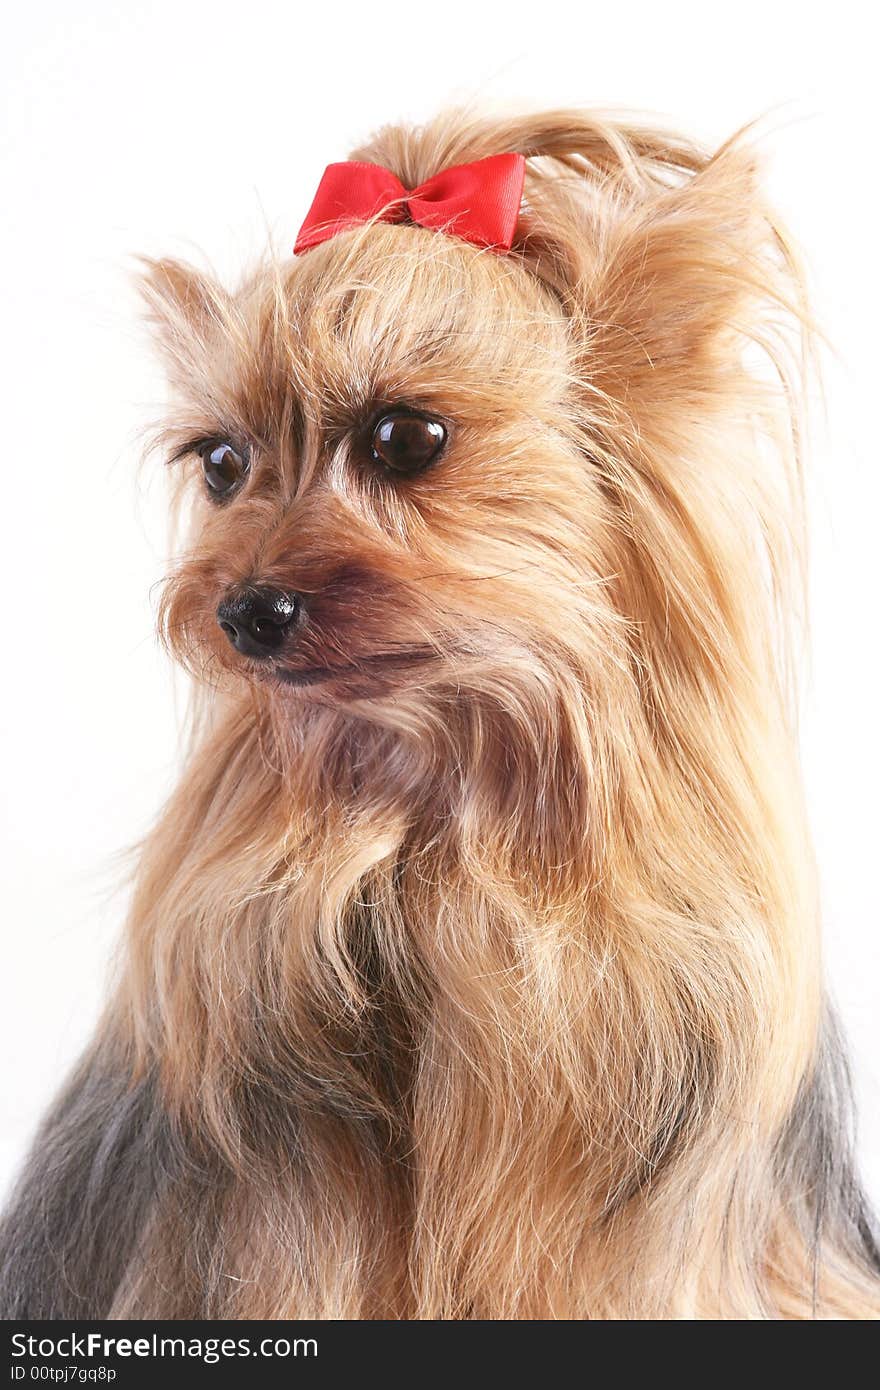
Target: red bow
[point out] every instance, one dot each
(478, 202)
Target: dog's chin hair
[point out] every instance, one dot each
(494, 993)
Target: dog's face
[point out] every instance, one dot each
(393, 503)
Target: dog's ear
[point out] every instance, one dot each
(678, 290)
(188, 312)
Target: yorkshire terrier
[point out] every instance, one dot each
(473, 969)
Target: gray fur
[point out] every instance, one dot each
(816, 1166)
(82, 1204)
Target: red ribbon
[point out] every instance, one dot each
(478, 202)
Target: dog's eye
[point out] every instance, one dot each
(224, 466)
(406, 442)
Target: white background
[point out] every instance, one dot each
(199, 129)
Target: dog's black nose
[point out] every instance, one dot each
(257, 621)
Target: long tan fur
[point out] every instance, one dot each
(486, 984)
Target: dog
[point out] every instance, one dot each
(472, 971)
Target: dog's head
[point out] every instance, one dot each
(432, 479)
(390, 493)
